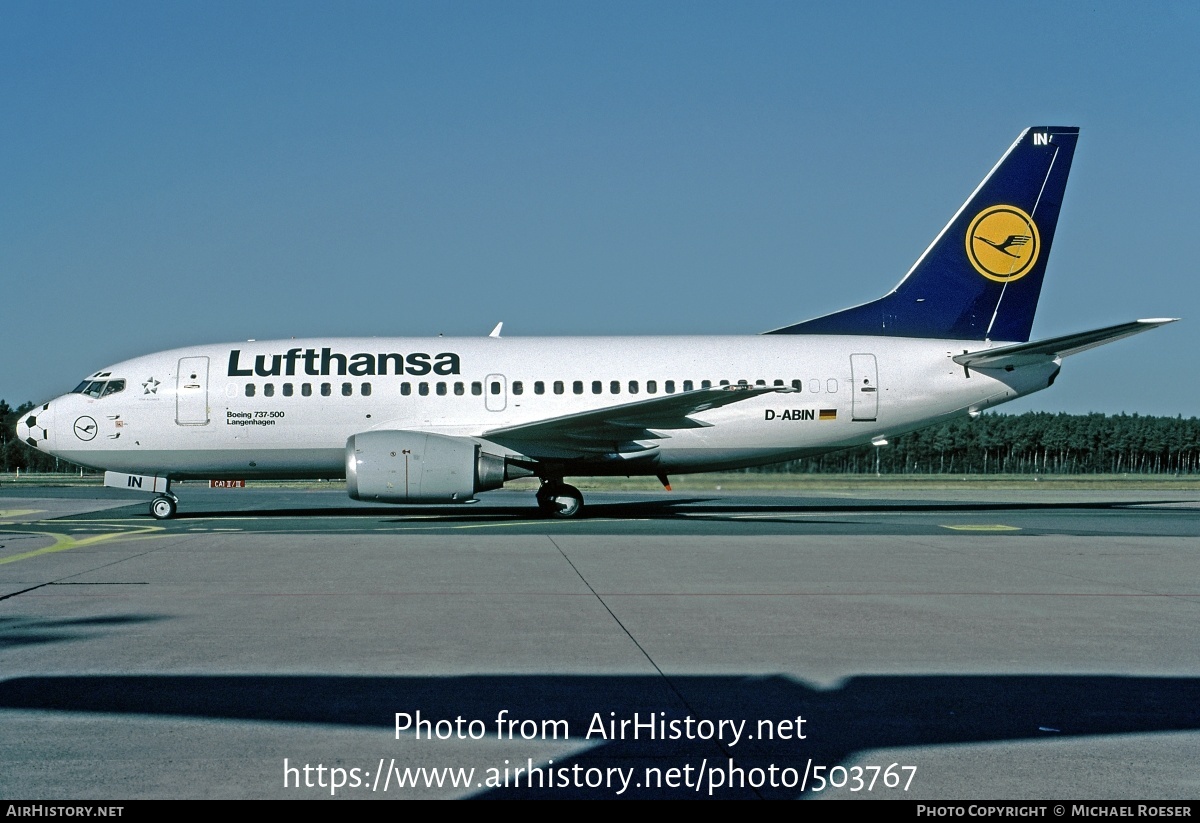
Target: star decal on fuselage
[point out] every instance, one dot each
(151, 386)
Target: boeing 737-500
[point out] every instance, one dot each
(439, 420)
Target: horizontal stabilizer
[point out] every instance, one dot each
(1042, 351)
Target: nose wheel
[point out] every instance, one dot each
(163, 508)
(559, 500)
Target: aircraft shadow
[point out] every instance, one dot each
(401, 513)
(863, 713)
(675, 507)
(20, 631)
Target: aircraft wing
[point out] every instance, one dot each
(1041, 351)
(614, 428)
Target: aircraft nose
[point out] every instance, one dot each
(37, 428)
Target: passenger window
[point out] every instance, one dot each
(494, 388)
(460, 389)
(249, 389)
(777, 383)
(831, 385)
(269, 390)
(423, 389)
(326, 389)
(577, 387)
(518, 387)
(441, 389)
(798, 385)
(706, 384)
(306, 389)
(347, 389)
(287, 389)
(724, 382)
(814, 386)
(476, 388)
(760, 382)
(539, 387)
(651, 387)
(669, 387)
(406, 388)
(633, 387)
(597, 387)
(366, 389)
(614, 387)
(687, 385)
(559, 388)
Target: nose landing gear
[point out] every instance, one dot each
(164, 507)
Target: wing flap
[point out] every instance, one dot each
(616, 428)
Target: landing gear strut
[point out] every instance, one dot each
(164, 507)
(557, 499)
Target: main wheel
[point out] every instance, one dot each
(563, 501)
(162, 508)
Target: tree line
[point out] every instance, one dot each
(1029, 443)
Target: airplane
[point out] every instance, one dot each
(440, 420)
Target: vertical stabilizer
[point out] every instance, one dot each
(981, 277)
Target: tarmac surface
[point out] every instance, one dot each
(913, 644)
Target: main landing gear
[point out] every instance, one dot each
(164, 507)
(556, 499)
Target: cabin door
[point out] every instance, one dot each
(865, 378)
(191, 392)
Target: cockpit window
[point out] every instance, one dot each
(99, 388)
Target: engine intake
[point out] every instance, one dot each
(419, 467)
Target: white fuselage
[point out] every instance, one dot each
(279, 409)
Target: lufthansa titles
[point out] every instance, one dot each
(327, 362)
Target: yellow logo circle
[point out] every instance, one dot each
(1003, 243)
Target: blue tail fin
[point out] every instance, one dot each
(981, 277)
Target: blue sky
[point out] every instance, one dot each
(179, 173)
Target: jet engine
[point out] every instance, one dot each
(419, 467)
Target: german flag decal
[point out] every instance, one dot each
(828, 414)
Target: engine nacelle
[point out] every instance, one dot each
(419, 467)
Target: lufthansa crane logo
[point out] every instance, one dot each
(1003, 243)
(85, 428)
